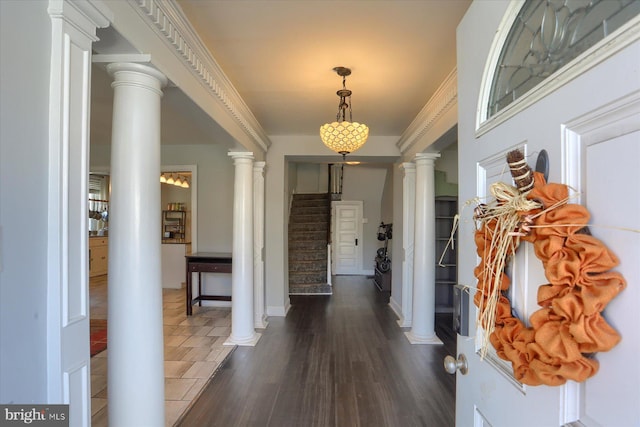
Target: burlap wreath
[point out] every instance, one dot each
(569, 326)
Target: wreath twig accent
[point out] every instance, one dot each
(569, 327)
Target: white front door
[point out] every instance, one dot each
(590, 127)
(347, 237)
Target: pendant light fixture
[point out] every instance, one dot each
(344, 136)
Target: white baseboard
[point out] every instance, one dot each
(397, 309)
(278, 311)
(216, 304)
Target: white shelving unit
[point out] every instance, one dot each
(446, 275)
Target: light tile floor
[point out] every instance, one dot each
(193, 350)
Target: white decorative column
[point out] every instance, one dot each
(259, 316)
(408, 225)
(242, 322)
(424, 273)
(136, 353)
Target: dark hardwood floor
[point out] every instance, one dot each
(339, 360)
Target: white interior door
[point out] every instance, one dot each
(590, 126)
(347, 237)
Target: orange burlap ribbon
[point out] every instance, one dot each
(570, 323)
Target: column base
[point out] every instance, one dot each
(248, 342)
(261, 323)
(404, 323)
(414, 339)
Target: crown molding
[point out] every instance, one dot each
(85, 16)
(169, 22)
(442, 100)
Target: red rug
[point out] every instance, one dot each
(98, 336)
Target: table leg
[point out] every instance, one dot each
(199, 289)
(189, 291)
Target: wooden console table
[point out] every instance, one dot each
(205, 262)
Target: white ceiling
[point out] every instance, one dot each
(279, 55)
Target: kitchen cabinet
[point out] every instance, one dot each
(98, 256)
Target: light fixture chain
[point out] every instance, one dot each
(350, 111)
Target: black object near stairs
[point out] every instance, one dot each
(309, 222)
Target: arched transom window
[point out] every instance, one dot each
(545, 36)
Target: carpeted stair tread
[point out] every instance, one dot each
(308, 226)
(308, 235)
(309, 218)
(302, 255)
(308, 229)
(312, 265)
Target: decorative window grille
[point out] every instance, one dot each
(548, 34)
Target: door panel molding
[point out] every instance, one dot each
(490, 170)
(615, 119)
(601, 126)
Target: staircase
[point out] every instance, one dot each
(308, 230)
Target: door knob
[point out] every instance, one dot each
(451, 364)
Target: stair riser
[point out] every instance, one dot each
(311, 226)
(310, 211)
(311, 203)
(314, 196)
(308, 219)
(309, 267)
(308, 245)
(317, 255)
(300, 278)
(308, 235)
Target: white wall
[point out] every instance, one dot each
(448, 163)
(215, 192)
(386, 204)
(308, 178)
(170, 193)
(24, 119)
(366, 183)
